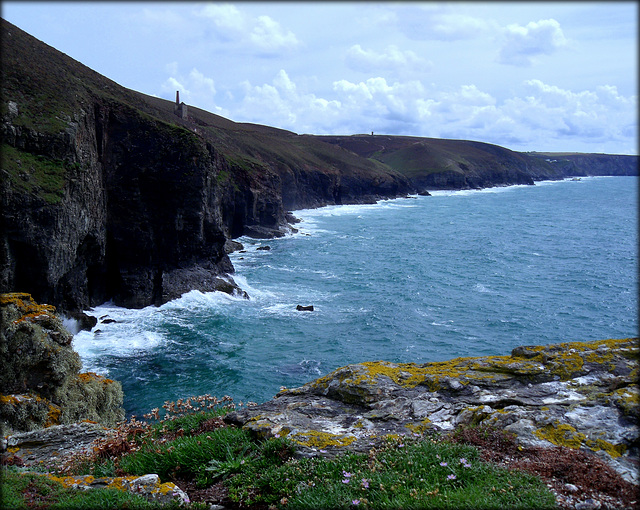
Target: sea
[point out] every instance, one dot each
(416, 279)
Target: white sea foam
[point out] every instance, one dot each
(72, 325)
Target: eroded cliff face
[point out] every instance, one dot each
(107, 195)
(134, 217)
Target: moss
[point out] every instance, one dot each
(53, 416)
(421, 427)
(565, 361)
(93, 397)
(628, 400)
(614, 450)
(26, 412)
(88, 377)
(25, 305)
(36, 174)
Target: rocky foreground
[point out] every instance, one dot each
(578, 395)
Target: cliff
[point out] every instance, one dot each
(40, 383)
(107, 194)
(576, 395)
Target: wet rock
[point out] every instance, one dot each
(231, 246)
(577, 395)
(305, 308)
(85, 322)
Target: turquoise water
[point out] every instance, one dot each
(420, 279)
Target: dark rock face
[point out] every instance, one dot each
(137, 222)
(577, 395)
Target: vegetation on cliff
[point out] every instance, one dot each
(193, 448)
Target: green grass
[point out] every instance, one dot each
(401, 475)
(195, 445)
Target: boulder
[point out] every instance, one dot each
(40, 383)
(578, 395)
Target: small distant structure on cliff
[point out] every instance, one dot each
(180, 109)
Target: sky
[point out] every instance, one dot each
(530, 76)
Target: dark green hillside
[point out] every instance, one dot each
(440, 163)
(571, 163)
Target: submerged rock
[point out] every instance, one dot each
(578, 395)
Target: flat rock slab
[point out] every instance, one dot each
(577, 394)
(51, 445)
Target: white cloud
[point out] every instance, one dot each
(226, 17)
(262, 33)
(195, 88)
(287, 107)
(269, 36)
(392, 58)
(523, 44)
(538, 116)
(441, 22)
(201, 83)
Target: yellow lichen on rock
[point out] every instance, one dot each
(26, 305)
(318, 439)
(561, 434)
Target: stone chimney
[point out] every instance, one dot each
(180, 109)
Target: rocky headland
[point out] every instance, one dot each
(582, 396)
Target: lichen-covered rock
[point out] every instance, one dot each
(34, 346)
(579, 395)
(148, 486)
(40, 383)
